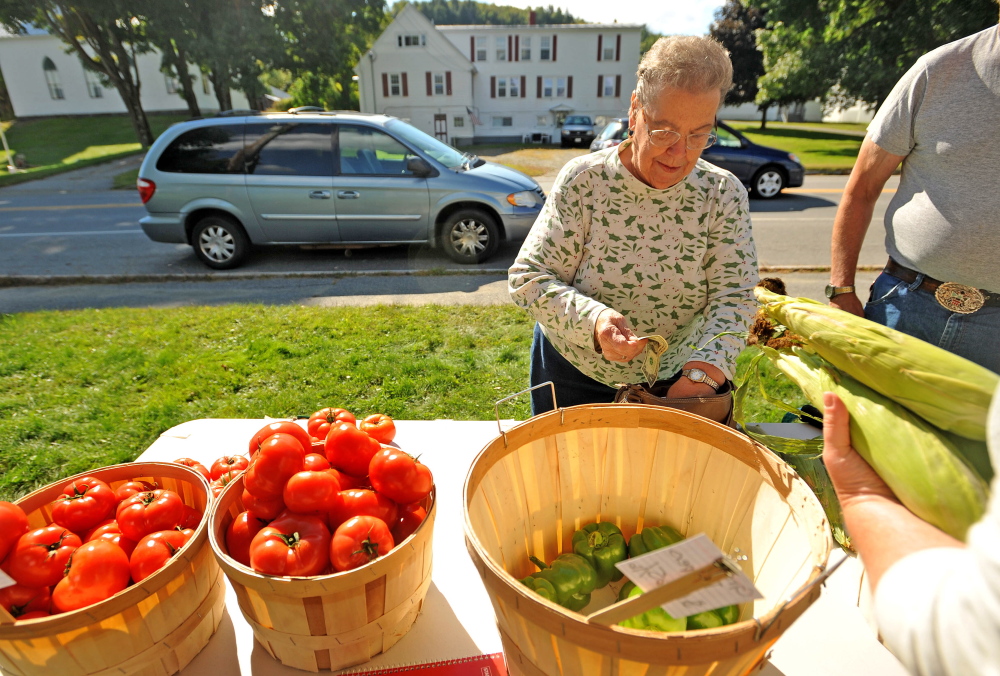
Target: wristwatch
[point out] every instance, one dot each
(699, 376)
(832, 290)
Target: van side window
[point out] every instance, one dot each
(364, 150)
(289, 149)
(205, 150)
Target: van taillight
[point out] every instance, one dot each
(146, 189)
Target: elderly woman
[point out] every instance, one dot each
(643, 239)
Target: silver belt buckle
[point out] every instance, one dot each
(959, 298)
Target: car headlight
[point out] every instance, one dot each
(525, 198)
(794, 158)
(565, 132)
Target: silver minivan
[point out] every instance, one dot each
(225, 184)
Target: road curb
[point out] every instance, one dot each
(8, 281)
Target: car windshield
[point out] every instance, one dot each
(613, 130)
(577, 119)
(427, 144)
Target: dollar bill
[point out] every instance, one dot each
(655, 347)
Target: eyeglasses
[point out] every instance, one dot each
(665, 138)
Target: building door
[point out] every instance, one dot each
(441, 127)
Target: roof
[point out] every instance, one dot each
(29, 30)
(546, 27)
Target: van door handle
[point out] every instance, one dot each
(319, 195)
(348, 194)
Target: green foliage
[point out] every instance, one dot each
(735, 27)
(322, 90)
(819, 151)
(646, 39)
(470, 12)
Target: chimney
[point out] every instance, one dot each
(531, 17)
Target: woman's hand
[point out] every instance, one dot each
(615, 339)
(852, 477)
(685, 387)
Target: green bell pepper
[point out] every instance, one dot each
(656, 619)
(651, 538)
(603, 545)
(572, 578)
(707, 619)
(540, 586)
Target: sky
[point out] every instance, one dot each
(669, 17)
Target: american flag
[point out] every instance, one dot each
(472, 116)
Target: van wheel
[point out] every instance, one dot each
(470, 236)
(220, 242)
(768, 182)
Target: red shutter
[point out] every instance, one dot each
(538, 93)
(600, 43)
(385, 85)
(517, 47)
(618, 85)
(493, 86)
(523, 93)
(430, 85)
(472, 48)
(447, 82)
(510, 47)
(569, 87)
(600, 88)
(406, 91)
(554, 47)
(618, 47)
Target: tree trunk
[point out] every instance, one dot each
(187, 88)
(6, 108)
(220, 83)
(763, 115)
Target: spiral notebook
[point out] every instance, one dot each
(479, 665)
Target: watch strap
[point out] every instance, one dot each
(704, 379)
(832, 290)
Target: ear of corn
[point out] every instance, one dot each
(950, 392)
(921, 465)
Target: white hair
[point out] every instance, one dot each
(687, 62)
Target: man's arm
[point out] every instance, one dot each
(872, 169)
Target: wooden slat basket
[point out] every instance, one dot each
(153, 628)
(328, 621)
(634, 465)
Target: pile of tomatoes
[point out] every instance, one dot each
(100, 541)
(328, 498)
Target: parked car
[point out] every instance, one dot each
(577, 130)
(765, 171)
(226, 184)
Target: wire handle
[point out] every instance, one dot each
(496, 405)
(820, 579)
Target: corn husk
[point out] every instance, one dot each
(948, 391)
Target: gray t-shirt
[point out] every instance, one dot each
(944, 116)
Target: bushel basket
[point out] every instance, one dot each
(534, 485)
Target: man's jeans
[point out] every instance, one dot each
(572, 386)
(912, 310)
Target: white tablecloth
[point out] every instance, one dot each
(831, 638)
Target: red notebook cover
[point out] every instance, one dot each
(479, 665)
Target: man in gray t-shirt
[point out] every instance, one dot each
(942, 121)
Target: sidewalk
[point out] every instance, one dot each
(89, 179)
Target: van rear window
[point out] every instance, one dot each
(205, 150)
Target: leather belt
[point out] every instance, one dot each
(951, 296)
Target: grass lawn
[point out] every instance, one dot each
(819, 151)
(58, 144)
(84, 389)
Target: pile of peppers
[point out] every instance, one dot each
(570, 578)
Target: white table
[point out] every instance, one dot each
(831, 638)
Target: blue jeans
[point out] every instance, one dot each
(907, 308)
(572, 386)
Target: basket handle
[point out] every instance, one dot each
(804, 589)
(5, 617)
(496, 405)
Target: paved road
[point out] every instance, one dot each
(72, 227)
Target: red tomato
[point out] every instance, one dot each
(309, 492)
(239, 535)
(293, 544)
(192, 517)
(410, 518)
(315, 462)
(39, 557)
(347, 481)
(154, 551)
(19, 600)
(34, 615)
(284, 427)
(84, 503)
(361, 501)
(196, 466)
(228, 464)
(127, 546)
(280, 456)
(322, 421)
(13, 524)
(130, 488)
(399, 476)
(349, 449)
(219, 485)
(359, 540)
(379, 427)
(97, 571)
(263, 508)
(149, 512)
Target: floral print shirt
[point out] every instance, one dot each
(678, 262)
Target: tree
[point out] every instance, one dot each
(106, 35)
(6, 107)
(646, 39)
(735, 27)
(469, 12)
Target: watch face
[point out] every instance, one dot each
(696, 375)
(829, 291)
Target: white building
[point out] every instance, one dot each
(486, 84)
(44, 80)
